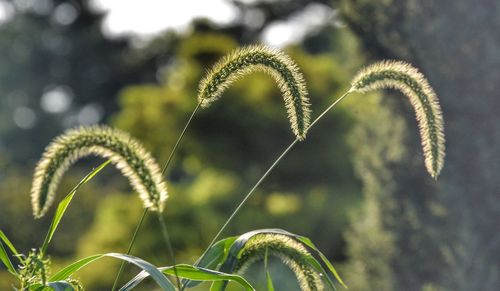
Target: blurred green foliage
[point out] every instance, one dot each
(442, 235)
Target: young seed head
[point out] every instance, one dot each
(407, 79)
(288, 250)
(126, 153)
(34, 269)
(260, 58)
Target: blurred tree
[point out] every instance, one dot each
(444, 234)
(58, 70)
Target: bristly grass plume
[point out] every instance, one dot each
(126, 153)
(402, 76)
(289, 251)
(274, 62)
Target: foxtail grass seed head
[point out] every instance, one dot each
(126, 153)
(271, 61)
(407, 79)
(290, 252)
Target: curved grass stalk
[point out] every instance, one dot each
(166, 237)
(271, 61)
(290, 252)
(407, 79)
(127, 154)
(269, 170)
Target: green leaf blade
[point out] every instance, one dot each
(334, 272)
(7, 242)
(192, 273)
(150, 269)
(63, 205)
(4, 257)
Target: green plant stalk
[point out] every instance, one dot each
(139, 225)
(170, 250)
(165, 167)
(273, 165)
(131, 244)
(63, 205)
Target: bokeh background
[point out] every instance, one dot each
(357, 186)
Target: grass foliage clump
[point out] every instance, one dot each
(126, 153)
(404, 77)
(271, 61)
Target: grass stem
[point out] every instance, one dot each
(165, 167)
(170, 250)
(131, 244)
(273, 165)
(160, 218)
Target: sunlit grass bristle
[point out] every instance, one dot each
(271, 61)
(290, 252)
(404, 77)
(126, 153)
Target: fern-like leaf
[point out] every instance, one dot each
(404, 77)
(126, 153)
(260, 58)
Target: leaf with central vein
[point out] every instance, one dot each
(150, 269)
(192, 273)
(63, 205)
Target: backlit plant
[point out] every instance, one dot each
(224, 259)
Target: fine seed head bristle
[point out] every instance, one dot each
(271, 61)
(289, 251)
(404, 77)
(126, 153)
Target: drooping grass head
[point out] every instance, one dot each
(407, 79)
(126, 153)
(289, 251)
(260, 58)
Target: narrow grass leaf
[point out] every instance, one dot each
(63, 205)
(269, 279)
(72, 268)
(212, 258)
(7, 242)
(313, 247)
(192, 273)
(270, 286)
(150, 269)
(4, 257)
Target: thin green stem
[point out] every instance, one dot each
(131, 244)
(163, 171)
(273, 165)
(170, 250)
(329, 108)
(283, 154)
(165, 167)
